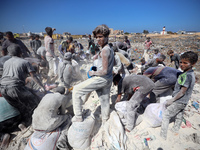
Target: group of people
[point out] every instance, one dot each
(27, 99)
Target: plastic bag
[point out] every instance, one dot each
(153, 114)
(43, 141)
(79, 133)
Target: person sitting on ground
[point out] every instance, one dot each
(154, 62)
(138, 87)
(53, 107)
(174, 58)
(12, 83)
(181, 95)
(127, 42)
(164, 78)
(156, 53)
(11, 40)
(100, 81)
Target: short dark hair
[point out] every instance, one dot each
(43, 63)
(70, 38)
(9, 33)
(35, 67)
(170, 52)
(101, 29)
(37, 36)
(191, 56)
(48, 30)
(14, 50)
(117, 78)
(162, 56)
(156, 50)
(60, 89)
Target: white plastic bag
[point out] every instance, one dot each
(79, 133)
(43, 141)
(121, 106)
(153, 114)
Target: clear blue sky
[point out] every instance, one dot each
(82, 16)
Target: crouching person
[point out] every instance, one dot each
(101, 80)
(138, 87)
(13, 87)
(51, 121)
(181, 95)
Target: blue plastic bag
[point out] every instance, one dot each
(94, 68)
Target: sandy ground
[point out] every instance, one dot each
(184, 140)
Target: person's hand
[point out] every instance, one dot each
(169, 102)
(91, 73)
(117, 100)
(43, 90)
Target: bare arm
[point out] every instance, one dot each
(118, 98)
(105, 54)
(180, 94)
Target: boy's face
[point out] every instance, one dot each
(102, 41)
(185, 65)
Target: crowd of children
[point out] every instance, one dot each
(26, 82)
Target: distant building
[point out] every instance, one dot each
(111, 30)
(41, 34)
(163, 32)
(156, 32)
(191, 32)
(116, 32)
(181, 32)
